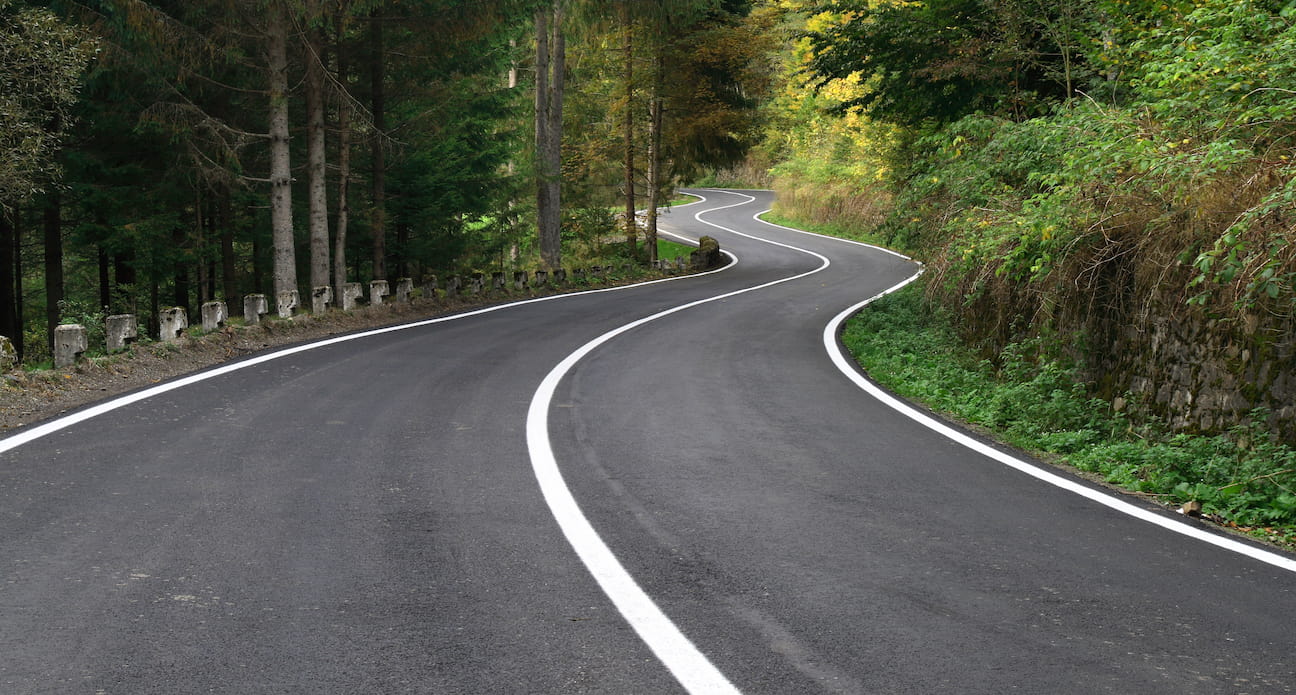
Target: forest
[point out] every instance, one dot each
(1102, 192)
(1111, 180)
(161, 154)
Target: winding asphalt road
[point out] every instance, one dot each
(661, 489)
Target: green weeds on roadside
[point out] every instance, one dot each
(1244, 480)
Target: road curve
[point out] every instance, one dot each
(371, 515)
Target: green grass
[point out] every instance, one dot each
(669, 250)
(841, 231)
(1245, 479)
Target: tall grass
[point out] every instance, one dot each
(840, 209)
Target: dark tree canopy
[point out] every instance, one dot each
(940, 60)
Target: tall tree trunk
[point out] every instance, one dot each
(53, 218)
(378, 104)
(632, 232)
(180, 294)
(229, 262)
(655, 109)
(10, 322)
(511, 169)
(344, 185)
(316, 156)
(154, 328)
(551, 55)
(124, 277)
(105, 277)
(281, 222)
(258, 264)
(202, 222)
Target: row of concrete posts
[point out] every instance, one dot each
(121, 330)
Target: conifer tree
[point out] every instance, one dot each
(551, 56)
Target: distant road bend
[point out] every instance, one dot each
(678, 487)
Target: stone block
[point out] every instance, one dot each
(452, 285)
(120, 331)
(541, 278)
(404, 288)
(707, 255)
(475, 285)
(559, 276)
(430, 287)
(69, 344)
(351, 294)
(287, 302)
(214, 315)
(8, 354)
(254, 307)
(520, 280)
(497, 281)
(172, 324)
(321, 298)
(377, 290)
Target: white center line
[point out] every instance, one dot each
(681, 657)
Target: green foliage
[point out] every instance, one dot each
(41, 60)
(940, 61)
(911, 347)
(447, 178)
(1054, 165)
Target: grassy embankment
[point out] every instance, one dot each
(913, 349)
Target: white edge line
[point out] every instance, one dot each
(681, 657)
(24, 436)
(847, 367)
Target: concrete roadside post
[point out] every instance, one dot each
(214, 315)
(377, 290)
(120, 330)
(69, 344)
(321, 298)
(404, 288)
(172, 324)
(351, 294)
(8, 354)
(254, 307)
(287, 303)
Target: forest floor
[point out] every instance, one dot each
(30, 397)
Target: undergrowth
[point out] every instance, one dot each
(1243, 479)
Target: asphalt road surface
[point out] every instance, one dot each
(662, 489)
